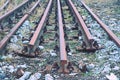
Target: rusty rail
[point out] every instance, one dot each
(6, 3)
(36, 34)
(63, 54)
(104, 26)
(82, 23)
(12, 11)
(88, 43)
(4, 41)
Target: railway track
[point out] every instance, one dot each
(9, 19)
(5, 40)
(60, 28)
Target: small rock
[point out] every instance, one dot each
(22, 66)
(26, 23)
(90, 66)
(70, 53)
(52, 53)
(56, 76)
(73, 74)
(107, 69)
(7, 58)
(25, 76)
(84, 18)
(35, 76)
(14, 39)
(11, 68)
(80, 38)
(112, 77)
(116, 68)
(19, 72)
(82, 66)
(20, 36)
(85, 59)
(2, 76)
(48, 77)
(13, 47)
(114, 52)
(25, 42)
(41, 47)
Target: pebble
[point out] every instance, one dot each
(106, 69)
(114, 52)
(56, 76)
(25, 76)
(52, 53)
(2, 76)
(73, 74)
(26, 23)
(13, 47)
(11, 68)
(116, 68)
(84, 18)
(25, 42)
(35, 76)
(8, 57)
(48, 77)
(90, 66)
(14, 39)
(19, 72)
(22, 66)
(70, 53)
(112, 76)
(41, 47)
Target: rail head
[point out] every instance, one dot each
(63, 55)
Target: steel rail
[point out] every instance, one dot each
(104, 26)
(12, 11)
(81, 21)
(63, 55)
(40, 26)
(4, 41)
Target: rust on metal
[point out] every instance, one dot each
(10, 12)
(104, 26)
(13, 30)
(88, 42)
(4, 41)
(40, 25)
(63, 54)
(33, 8)
(81, 21)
